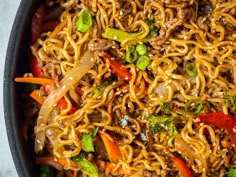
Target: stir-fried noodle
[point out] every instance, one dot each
(148, 75)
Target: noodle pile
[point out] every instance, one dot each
(176, 33)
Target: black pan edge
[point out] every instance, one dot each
(15, 52)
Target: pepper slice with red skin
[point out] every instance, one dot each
(117, 68)
(49, 25)
(36, 23)
(221, 120)
(36, 71)
(184, 171)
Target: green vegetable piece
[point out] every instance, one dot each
(143, 62)
(131, 55)
(231, 172)
(191, 69)
(87, 143)
(159, 123)
(172, 130)
(86, 166)
(97, 90)
(141, 49)
(84, 21)
(231, 101)
(195, 111)
(95, 132)
(46, 171)
(118, 35)
(165, 106)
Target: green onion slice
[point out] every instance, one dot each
(84, 21)
(131, 55)
(118, 35)
(141, 49)
(143, 62)
(165, 106)
(95, 132)
(191, 69)
(196, 110)
(97, 90)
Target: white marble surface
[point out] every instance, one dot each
(8, 9)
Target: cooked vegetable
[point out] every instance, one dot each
(34, 80)
(191, 69)
(97, 90)
(86, 63)
(118, 35)
(86, 166)
(95, 132)
(197, 107)
(143, 62)
(58, 163)
(46, 171)
(141, 49)
(87, 143)
(117, 68)
(184, 171)
(131, 55)
(230, 100)
(84, 21)
(165, 106)
(36, 23)
(159, 123)
(111, 146)
(221, 120)
(231, 172)
(35, 95)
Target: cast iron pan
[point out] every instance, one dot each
(16, 64)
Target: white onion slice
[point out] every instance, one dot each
(71, 78)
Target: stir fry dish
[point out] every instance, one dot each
(140, 88)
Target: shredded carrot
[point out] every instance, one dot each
(35, 95)
(57, 29)
(225, 143)
(49, 160)
(111, 146)
(34, 80)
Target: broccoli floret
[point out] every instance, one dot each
(159, 123)
(231, 172)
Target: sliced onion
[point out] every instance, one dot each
(71, 78)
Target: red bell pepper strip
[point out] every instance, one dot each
(36, 23)
(36, 71)
(62, 102)
(49, 25)
(221, 120)
(117, 68)
(111, 146)
(184, 171)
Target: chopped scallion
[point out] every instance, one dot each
(141, 49)
(197, 106)
(95, 132)
(131, 55)
(143, 62)
(165, 106)
(97, 90)
(118, 35)
(84, 21)
(191, 69)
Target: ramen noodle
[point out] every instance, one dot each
(134, 88)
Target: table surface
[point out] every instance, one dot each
(8, 9)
